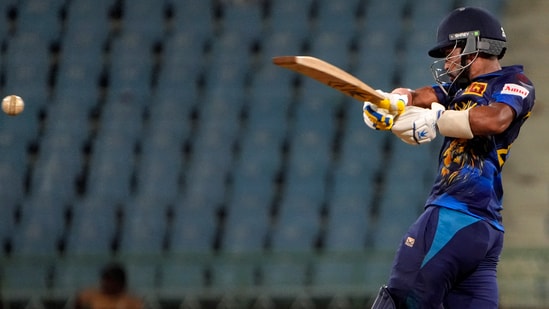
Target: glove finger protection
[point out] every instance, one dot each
(377, 118)
(418, 125)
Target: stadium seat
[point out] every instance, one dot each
(243, 19)
(177, 70)
(246, 224)
(212, 150)
(41, 227)
(257, 165)
(205, 179)
(307, 168)
(344, 12)
(316, 109)
(397, 213)
(297, 226)
(41, 17)
(87, 25)
(160, 166)
(348, 224)
(58, 167)
(7, 221)
(143, 230)
(130, 70)
(270, 103)
(290, 17)
(111, 168)
(197, 15)
(279, 43)
(93, 228)
(13, 166)
(139, 11)
(158, 176)
(332, 46)
(193, 229)
(230, 64)
(77, 82)
(114, 147)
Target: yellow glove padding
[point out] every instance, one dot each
(382, 115)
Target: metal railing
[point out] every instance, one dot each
(523, 280)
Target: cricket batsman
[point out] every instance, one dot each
(449, 255)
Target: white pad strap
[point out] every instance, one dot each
(455, 124)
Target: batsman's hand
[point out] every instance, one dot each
(377, 118)
(418, 125)
(394, 103)
(381, 116)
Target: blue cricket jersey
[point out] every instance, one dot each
(469, 174)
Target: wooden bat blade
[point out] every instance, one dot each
(331, 76)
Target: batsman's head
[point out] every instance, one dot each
(474, 30)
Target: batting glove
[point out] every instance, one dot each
(418, 125)
(394, 103)
(377, 118)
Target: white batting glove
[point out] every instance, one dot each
(381, 116)
(418, 125)
(377, 118)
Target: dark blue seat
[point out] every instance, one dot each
(193, 229)
(197, 15)
(247, 223)
(42, 18)
(93, 228)
(291, 17)
(144, 228)
(137, 12)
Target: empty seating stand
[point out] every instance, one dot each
(159, 133)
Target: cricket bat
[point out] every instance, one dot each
(331, 76)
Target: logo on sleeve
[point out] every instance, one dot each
(476, 88)
(515, 89)
(410, 241)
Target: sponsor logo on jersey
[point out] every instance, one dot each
(476, 88)
(410, 241)
(515, 89)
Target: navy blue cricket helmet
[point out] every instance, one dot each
(475, 28)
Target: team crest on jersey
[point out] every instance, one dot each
(476, 88)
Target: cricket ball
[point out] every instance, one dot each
(13, 105)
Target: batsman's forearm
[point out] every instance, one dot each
(422, 97)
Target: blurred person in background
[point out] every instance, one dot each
(111, 294)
